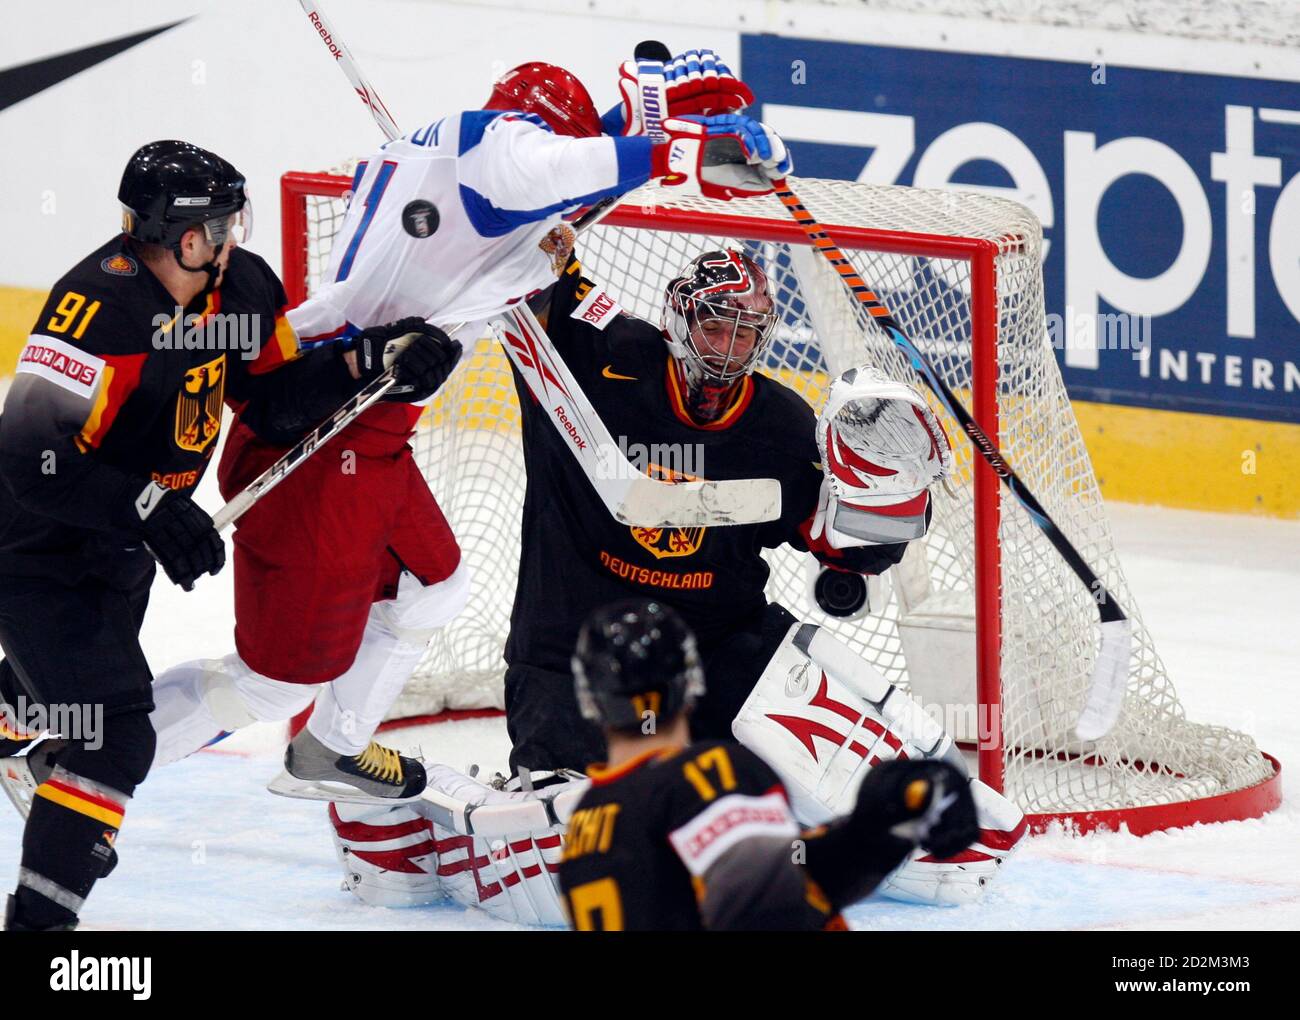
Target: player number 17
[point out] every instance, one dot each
(716, 761)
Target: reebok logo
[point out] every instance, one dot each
(571, 429)
(325, 36)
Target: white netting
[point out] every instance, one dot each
(924, 640)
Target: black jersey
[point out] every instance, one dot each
(641, 842)
(117, 386)
(575, 556)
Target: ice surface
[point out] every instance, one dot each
(204, 846)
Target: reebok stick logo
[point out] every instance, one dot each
(571, 429)
(325, 36)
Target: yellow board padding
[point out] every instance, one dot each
(19, 307)
(1193, 461)
(1141, 455)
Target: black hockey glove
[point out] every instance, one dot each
(179, 534)
(901, 805)
(926, 803)
(424, 356)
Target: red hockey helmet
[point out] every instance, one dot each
(551, 93)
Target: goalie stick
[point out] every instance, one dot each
(1109, 681)
(633, 497)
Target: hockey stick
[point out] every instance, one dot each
(648, 503)
(334, 43)
(355, 405)
(1110, 672)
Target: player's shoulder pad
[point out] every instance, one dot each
(106, 305)
(251, 284)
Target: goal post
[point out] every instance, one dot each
(984, 625)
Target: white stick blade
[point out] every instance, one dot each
(652, 504)
(1109, 682)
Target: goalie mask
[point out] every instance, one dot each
(719, 319)
(551, 93)
(635, 659)
(882, 448)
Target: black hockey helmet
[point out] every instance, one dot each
(168, 187)
(634, 657)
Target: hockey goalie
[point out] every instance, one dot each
(855, 487)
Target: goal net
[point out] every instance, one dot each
(984, 624)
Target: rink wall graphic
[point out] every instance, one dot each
(1169, 197)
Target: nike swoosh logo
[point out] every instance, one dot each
(149, 499)
(609, 373)
(26, 80)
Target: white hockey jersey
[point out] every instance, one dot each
(461, 218)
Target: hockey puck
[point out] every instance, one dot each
(839, 593)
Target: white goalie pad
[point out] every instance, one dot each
(500, 850)
(881, 448)
(494, 850)
(822, 717)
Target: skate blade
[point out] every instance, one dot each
(287, 785)
(19, 783)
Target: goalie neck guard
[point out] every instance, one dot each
(635, 659)
(719, 320)
(551, 93)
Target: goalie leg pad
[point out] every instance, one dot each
(388, 854)
(822, 717)
(500, 851)
(489, 849)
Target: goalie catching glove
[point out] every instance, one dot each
(881, 448)
(727, 156)
(423, 354)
